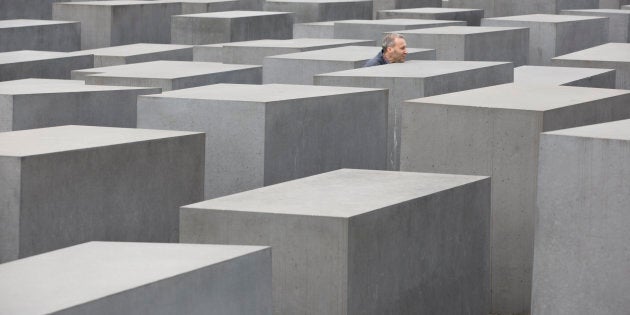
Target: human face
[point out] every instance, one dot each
(398, 52)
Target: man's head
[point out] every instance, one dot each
(394, 48)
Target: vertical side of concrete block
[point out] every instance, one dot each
(466, 80)
(588, 113)
(6, 113)
(148, 23)
(579, 35)
(447, 47)
(10, 196)
(512, 46)
(127, 192)
(96, 23)
(604, 80)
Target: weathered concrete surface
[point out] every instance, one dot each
(380, 5)
(139, 278)
(418, 79)
(39, 35)
(253, 52)
(474, 43)
(495, 131)
(171, 75)
(307, 11)
(374, 29)
(362, 241)
(265, 134)
(136, 53)
(613, 4)
(23, 64)
(230, 26)
(314, 30)
(37, 103)
(204, 6)
(618, 22)
(585, 77)
(300, 68)
(472, 17)
(494, 8)
(26, 9)
(555, 35)
(72, 184)
(581, 249)
(611, 56)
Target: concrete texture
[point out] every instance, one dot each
(230, 26)
(300, 68)
(613, 4)
(618, 22)
(581, 249)
(362, 241)
(472, 17)
(253, 52)
(418, 79)
(72, 184)
(306, 11)
(114, 23)
(555, 35)
(403, 4)
(136, 53)
(611, 56)
(259, 135)
(172, 75)
(39, 35)
(314, 30)
(26, 9)
(495, 131)
(585, 77)
(204, 6)
(474, 43)
(37, 103)
(139, 278)
(494, 8)
(24, 64)
(374, 29)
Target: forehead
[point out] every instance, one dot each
(399, 41)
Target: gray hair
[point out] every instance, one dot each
(388, 40)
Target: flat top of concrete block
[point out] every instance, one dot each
(431, 10)
(619, 52)
(233, 14)
(26, 22)
(325, 23)
(109, 3)
(554, 75)
(196, 1)
(401, 22)
(46, 86)
(522, 97)
(296, 42)
(76, 275)
(461, 30)
(414, 69)
(343, 193)
(317, 1)
(546, 18)
(258, 93)
(345, 53)
(614, 130)
(29, 55)
(68, 138)
(166, 69)
(132, 49)
(594, 11)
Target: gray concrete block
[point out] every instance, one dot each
(39, 35)
(37, 103)
(374, 29)
(314, 30)
(253, 52)
(555, 35)
(581, 248)
(418, 79)
(322, 10)
(26, 9)
(403, 4)
(611, 56)
(613, 4)
(171, 75)
(585, 77)
(230, 26)
(139, 278)
(299, 68)
(494, 8)
(495, 131)
(618, 22)
(362, 241)
(114, 23)
(204, 6)
(24, 64)
(72, 184)
(625, 7)
(136, 53)
(474, 43)
(472, 17)
(265, 134)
